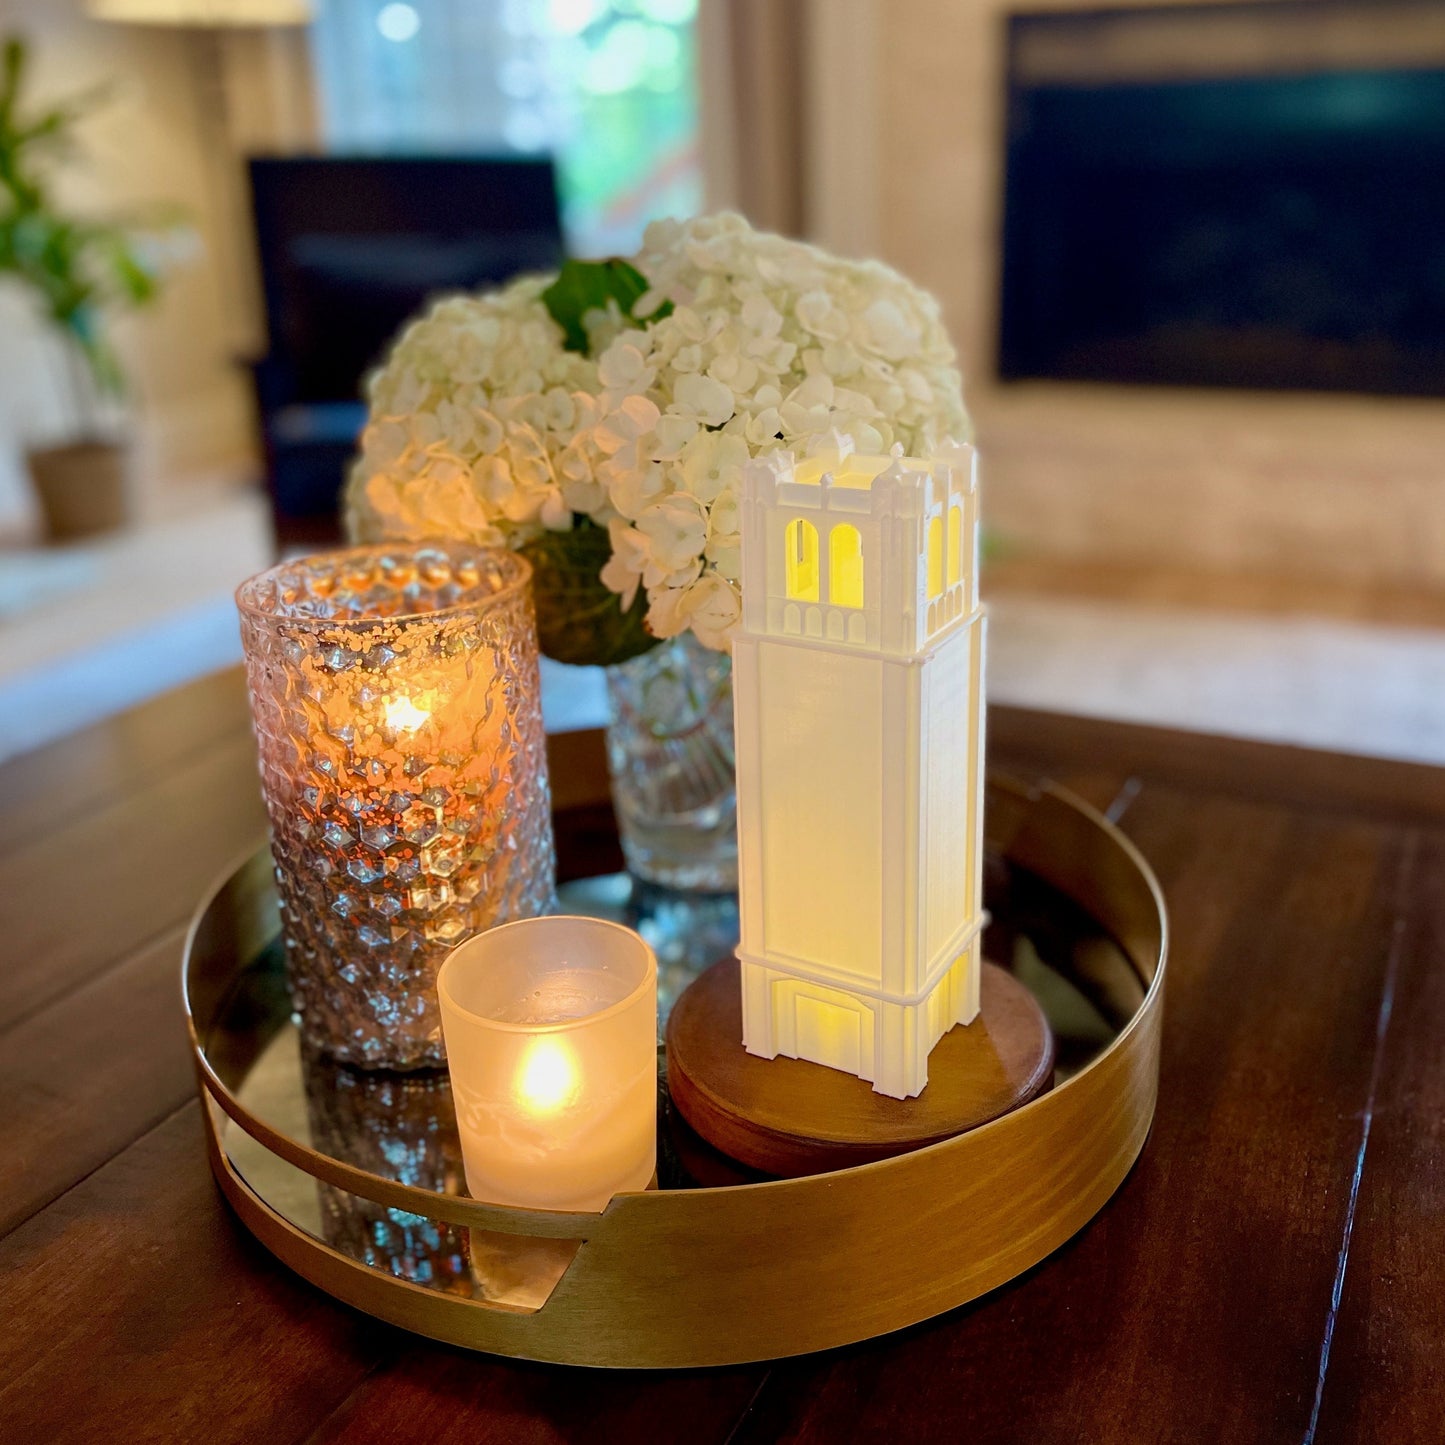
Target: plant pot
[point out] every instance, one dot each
(83, 488)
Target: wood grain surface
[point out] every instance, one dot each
(1269, 1272)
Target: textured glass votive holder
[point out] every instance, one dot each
(551, 1029)
(397, 705)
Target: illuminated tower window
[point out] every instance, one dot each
(935, 557)
(845, 566)
(801, 548)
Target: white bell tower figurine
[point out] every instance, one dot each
(858, 686)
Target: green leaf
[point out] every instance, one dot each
(578, 619)
(133, 279)
(583, 286)
(12, 67)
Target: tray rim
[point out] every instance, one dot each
(599, 1312)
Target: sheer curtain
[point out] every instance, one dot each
(790, 115)
(753, 94)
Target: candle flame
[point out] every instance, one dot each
(547, 1080)
(403, 715)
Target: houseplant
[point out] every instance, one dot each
(76, 269)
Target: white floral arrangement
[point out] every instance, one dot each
(717, 344)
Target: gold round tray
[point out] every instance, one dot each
(354, 1179)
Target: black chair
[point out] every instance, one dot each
(350, 247)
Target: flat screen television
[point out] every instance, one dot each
(351, 246)
(1267, 230)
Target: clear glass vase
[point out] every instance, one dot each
(670, 753)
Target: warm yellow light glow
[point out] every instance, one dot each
(830, 1030)
(845, 566)
(855, 474)
(547, 1079)
(935, 557)
(403, 715)
(955, 544)
(800, 543)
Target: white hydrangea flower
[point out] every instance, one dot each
(712, 608)
(772, 345)
(483, 426)
(676, 529)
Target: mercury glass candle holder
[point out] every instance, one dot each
(396, 700)
(552, 1047)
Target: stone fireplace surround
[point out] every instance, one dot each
(1324, 487)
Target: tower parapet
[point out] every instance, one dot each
(878, 553)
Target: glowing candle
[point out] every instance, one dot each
(403, 715)
(397, 705)
(551, 1031)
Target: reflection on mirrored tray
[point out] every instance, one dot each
(402, 1127)
(688, 932)
(395, 1126)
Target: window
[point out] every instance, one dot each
(955, 544)
(935, 557)
(800, 544)
(608, 87)
(845, 566)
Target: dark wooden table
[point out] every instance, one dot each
(1273, 1269)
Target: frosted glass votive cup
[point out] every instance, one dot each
(551, 1036)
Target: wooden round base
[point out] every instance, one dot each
(791, 1118)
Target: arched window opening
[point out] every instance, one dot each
(935, 557)
(845, 566)
(800, 543)
(955, 544)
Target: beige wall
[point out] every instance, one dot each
(1328, 486)
(163, 137)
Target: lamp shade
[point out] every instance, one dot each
(202, 12)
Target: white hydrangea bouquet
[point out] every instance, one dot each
(599, 419)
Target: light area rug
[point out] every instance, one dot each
(139, 615)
